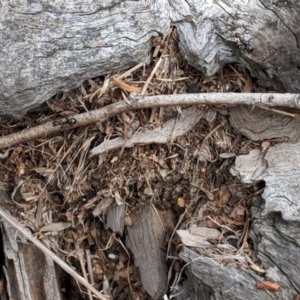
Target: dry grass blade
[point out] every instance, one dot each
(49, 253)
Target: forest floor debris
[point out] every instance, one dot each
(72, 200)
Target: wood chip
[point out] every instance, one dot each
(146, 241)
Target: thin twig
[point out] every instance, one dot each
(49, 253)
(82, 265)
(89, 265)
(140, 102)
(151, 76)
(279, 111)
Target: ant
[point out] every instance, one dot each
(66, 121)
(248, 46)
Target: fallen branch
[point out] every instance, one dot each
(8, 218)
(139, 102)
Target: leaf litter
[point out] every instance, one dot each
(175, 159)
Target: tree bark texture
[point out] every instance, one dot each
(51, 46)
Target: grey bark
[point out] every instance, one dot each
(29, 274)
(211, 280)
(51, 46)
(258, 124)
(47, 47)
(115, 218)
(146, 238)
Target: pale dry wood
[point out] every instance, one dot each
(190, 240)
(145, 238)
(276, 242)
(28, 272)
(250, 167)
(171, 129)
(115, 218)
(49, 47)
(281, 175)
(9, 219)
(214, 33)
(258, 124)
(138, 102)
(208, 279)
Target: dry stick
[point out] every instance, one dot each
(90, 267)
(139, 102)
(49, 253)
(80, 256)
(151, 76)
(279, 112)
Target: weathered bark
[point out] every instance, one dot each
(52, 46)
(28, 272)
(258, 124)
(210, 38)
(145, 238)
(211, 280)
(115, 218)
(48, 47)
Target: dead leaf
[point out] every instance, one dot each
(208, 223)
(224, 194)
(181, 202)
(125, 86)
(267, 285)
(191, 240)
(55, 226)
(204, 232)
(238, 213)
(103, 206)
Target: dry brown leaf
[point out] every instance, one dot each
(125, 86)
(208, 223)
(181, 202)
(224, 195)
(238, 213)
(267, 285)
(103, 206)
